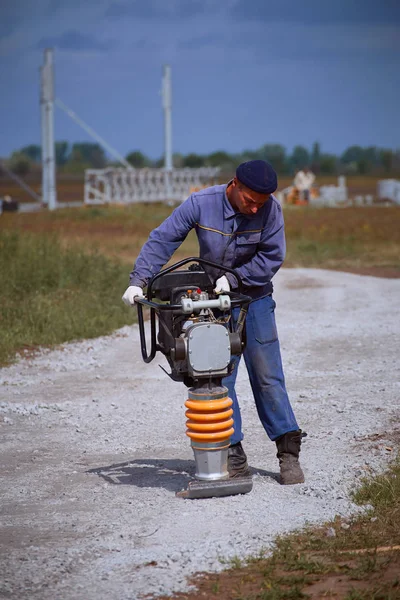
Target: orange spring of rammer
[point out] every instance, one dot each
(209, 420)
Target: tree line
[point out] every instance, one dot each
(355, 160)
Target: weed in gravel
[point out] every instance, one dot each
(215, 588)
(235, 562)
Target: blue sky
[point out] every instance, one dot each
(244, 72)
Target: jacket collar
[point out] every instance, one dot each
(229, 213)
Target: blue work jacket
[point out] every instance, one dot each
(253, 245)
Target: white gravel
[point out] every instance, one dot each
(93, 448)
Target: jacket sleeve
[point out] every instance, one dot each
(163, 241)
(270, 253)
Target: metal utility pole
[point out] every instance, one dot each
(49, 192)
(167, 105)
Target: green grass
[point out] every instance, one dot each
(354, 239)
(364, 240)
(50, 294)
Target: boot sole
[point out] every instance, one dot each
(291, 482)
(242, 473)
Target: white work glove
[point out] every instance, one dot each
(222, 285)
(132, 292)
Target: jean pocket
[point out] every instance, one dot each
(263, 320)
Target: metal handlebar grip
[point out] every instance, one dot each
(190, 306)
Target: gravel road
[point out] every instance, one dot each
(94, 449)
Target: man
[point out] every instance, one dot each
(303, 181)
(239, 225)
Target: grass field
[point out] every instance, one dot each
(363, 240)
(54, 279)
(51, 295)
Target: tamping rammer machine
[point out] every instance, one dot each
(196, 334)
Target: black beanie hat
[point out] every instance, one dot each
(258, 175)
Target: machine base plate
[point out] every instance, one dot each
(215, 489)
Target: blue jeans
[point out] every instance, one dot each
(262, 356)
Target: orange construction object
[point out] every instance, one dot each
(208, 417)
(209, 420)
(209, 427)
(208, 405)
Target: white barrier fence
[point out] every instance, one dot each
(389, 189)
(127, 186)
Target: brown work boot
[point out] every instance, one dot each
(288, 446)
(237, 461)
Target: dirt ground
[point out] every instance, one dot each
(93, 449)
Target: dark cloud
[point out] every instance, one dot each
(8, 25)
(201, 41)
(317, 47)
(56, 6)
(155, 9)
(317, 11)
(75, 41)
(189, 8)
(22, 11)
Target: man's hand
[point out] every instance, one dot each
(222, 285)
(132, 292)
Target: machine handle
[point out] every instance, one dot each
(186, 261)
(223, 302)
(236, 299)
(153, 336)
